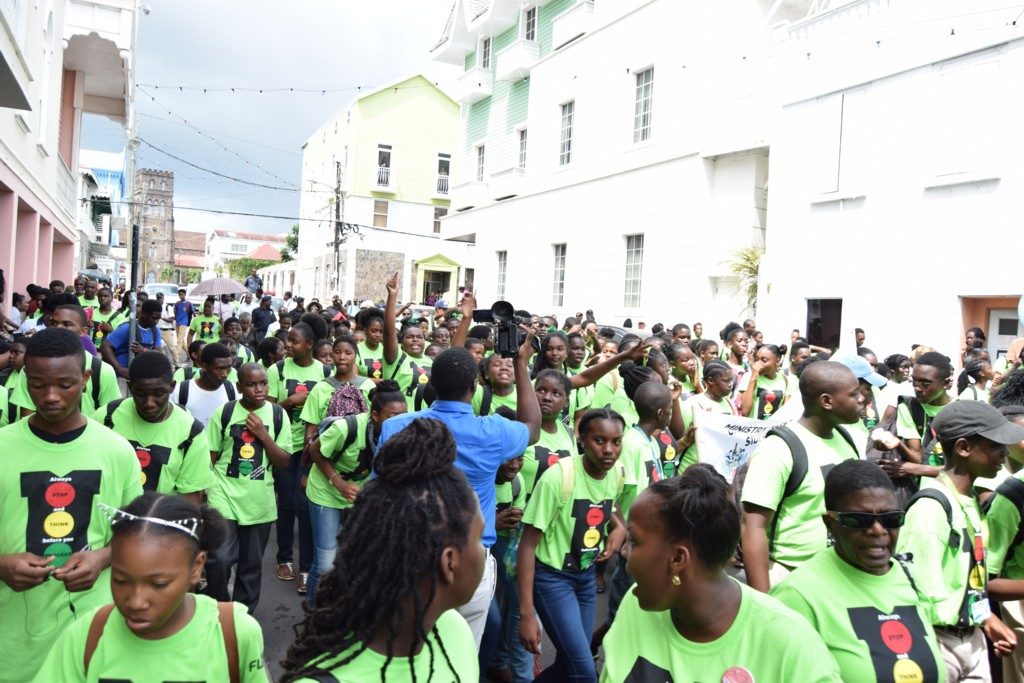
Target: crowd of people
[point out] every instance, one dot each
(461, 498)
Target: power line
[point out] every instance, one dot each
(216, 173)
(275, 89)
(206, 135)
(224, 135)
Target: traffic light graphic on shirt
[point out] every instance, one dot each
(899, 651)
(588, 532)
(374, 368)
(206, 330)
(768, 402)
(293, 386)
(152, 460)
(645, 671)
(246, 455)
(546, 458)
(420, 378)
(59, 511)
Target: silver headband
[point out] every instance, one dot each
(188, 526)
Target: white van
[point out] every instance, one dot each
(168, 289)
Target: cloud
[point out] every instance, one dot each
(259, 43)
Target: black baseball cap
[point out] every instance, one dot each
(962, 419)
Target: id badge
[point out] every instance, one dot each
(979, 608)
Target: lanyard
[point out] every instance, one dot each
(655, 452)
(979, 541)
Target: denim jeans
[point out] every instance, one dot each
(326, 524)
(566, 603)
(510, 653)
(292, 503)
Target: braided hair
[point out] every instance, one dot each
(634, 375)
(1010, 391)
(418, 505)
(974, 370)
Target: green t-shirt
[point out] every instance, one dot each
(641, 460)
(195, 653)
(974, 393)
(243, 487)
(605, 389)
(1003, 522)
(174, 454)
(206, 327)
(799, 531)
(412, 375)
(49, 494)
(766, 642)
(874, 626)
(573, 532)
(507, 496)
(245, 353)
(314, 410)
(287, 378)
(549, 449)
(354, 461)
(907, 430)
(98, 317)
(370, 362)
(496, 400)
(108, 388)
(8, 411)
(451, 633)
(697, 403)
(670, 457)
(769, 395)
(942, 572)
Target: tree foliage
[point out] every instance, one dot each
(745, 265)
(239, 268)
(291, 244)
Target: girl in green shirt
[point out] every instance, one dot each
(497, 386)
(555, 441)
(564, 530)
(765, 386)
(341, 456)
(404, 357)
(684, 368)
(394, 618)
(371, 350)
(156, 556)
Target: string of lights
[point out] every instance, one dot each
(273, 89)
(216, 173)
(224, 135)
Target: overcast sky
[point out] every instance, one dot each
(318, 44)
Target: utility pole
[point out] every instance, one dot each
(339, 199)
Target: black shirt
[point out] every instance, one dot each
(261, 320)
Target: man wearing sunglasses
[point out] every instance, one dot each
(782, 526)
(857, 594)
(946, 534)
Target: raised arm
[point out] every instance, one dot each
(527, 407)
(466, 307)
(591, 375)
(390, 332)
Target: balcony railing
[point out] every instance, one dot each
(65, 187)
(383, 177)
(442, 185)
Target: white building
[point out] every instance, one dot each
(613, 155)
(58, 60)
(381, 162)
(102, 211)
(896, 176)
(227, 245)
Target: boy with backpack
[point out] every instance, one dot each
(246, 437)
(210, 389)
(946, 534)
(783, 493)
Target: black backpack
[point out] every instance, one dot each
(193, 432)
(485, 401)
(229, 409)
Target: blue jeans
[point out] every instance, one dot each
(292, 503)
(326, 524)
(510, 653)
(566, 604)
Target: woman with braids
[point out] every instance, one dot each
(342, 456)
(764, 388)
(564, 529)
(156, 629)
(972, 382)
(371, 349)
(685, 618)
(405, 360)
(394, 618)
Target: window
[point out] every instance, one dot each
(480, 164)
(163, 185)
(558, 290)
(485, 53)
(530, 24)
(439, 213)
(238, 248)
(565, 149)
(383, 165)
(502, 265)
(522, 148)
(644, 105)
(444, 166)
(634, 270)
(380, 213)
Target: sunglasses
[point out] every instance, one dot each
(865, 520)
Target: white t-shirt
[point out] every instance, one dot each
(201, 403)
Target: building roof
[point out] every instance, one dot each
(187, 240)
(264, 252)
(254, 236)
(189, 261)
(106, 161)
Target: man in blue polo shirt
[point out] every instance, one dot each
(184, 311)
(482, 443)
(115, 347)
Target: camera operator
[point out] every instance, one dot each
(483, 443)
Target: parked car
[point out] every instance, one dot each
(168, 289)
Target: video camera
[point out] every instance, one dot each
(506, 321)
